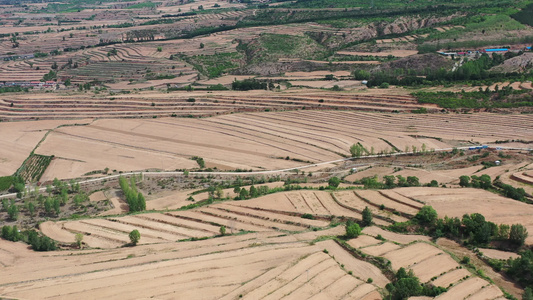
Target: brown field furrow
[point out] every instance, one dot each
(315, 205)
(267, 215)
(317, 283)
(364, 291)
(464, 289)
(95, 238)
(376, 199)
(199, 228)
(105, 283)
(290, 273)
(459, 201)
(395, 237)
(215, 217)
(350, 202)
(331, 205)
(498, 254)
(255, 222)
(489, 292)
(111, 226)
(363, 241)
(451, 277)
(289, 285)
(361, 269)
(338, 289)
(390, 194)
(434, 266)
(380, 250)
(412, 254)
(57, 232)
(165, 231)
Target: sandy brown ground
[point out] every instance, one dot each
(461, 252)
(261, 266)
(19, 139)
(498, 254)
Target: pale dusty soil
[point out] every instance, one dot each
(327, 84)
(498, 254)
(119, 207)
(378, 199)
(459, 201)
(397, 53)
(314, 202)
(243, 140)
(379, 171)
(350, 199)
(379, 250)
(408, 256)
(466, 288)
(395, 237)
(224, 80)
(363, 241)
(360, 269)
(498, 279)
(98, 196)
(126, 85)
(317, 73)
(434, 266)
(451, 277)
(18, 140)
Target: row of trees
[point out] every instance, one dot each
(391, 181)
(484, 182)
(134, 198)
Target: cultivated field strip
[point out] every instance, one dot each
(206, 104)
(264, 267)
(202, 222)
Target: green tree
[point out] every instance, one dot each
(503, 231)
(353, 230)
(31, 208)
(7, 233)
(135, 236)
(222, 230)
(141, 202)
(243, 194)
(334, 182)
(518, 234)
(528, 295)
(79, 239)
(464, 181)
(13, 212)
(427, 215)
(367, 217)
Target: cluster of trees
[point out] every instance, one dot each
(248, 84)
(406, 285)
(474, 228)
(521, 270)
(391, 181)
(484, 182)
(135, 199)
(481, 182)
(357, 150)
(253, 192)
(199, 160)
(37, 242)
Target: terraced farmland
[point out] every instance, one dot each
(258, 140)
